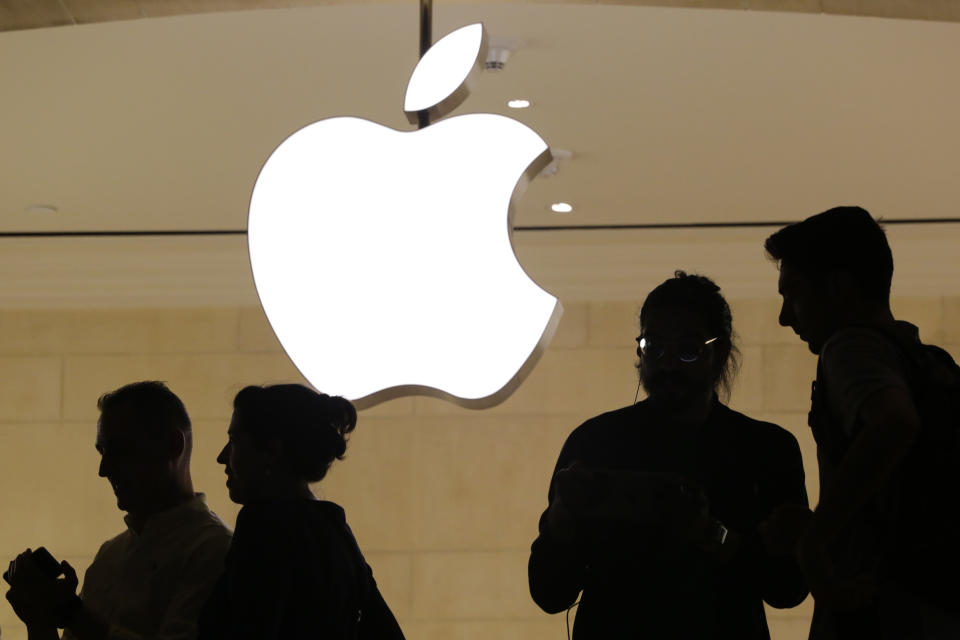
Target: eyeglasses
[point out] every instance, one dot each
(687, 351)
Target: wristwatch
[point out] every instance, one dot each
(714, 534)
(720, 531)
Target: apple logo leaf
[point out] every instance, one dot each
(443, 78)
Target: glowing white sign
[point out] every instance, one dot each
(383, 258)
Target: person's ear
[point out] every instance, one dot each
(272, 451)
(843, 289)
(848, 286)
(176, 443)
(835, 286)
(830, 286)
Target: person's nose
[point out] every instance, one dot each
(786, 317)
(224, 454)
(670, 364)
(102, 471)
(657, 362)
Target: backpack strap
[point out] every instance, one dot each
(832, 442)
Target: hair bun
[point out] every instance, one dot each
(347, 414)
(313, 426)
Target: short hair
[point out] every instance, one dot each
(151, 404)
(701, 296)
(839, 239)
(313, 427)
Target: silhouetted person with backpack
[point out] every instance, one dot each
(880, 553)
(293, 570)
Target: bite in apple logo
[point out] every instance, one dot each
(383, 258)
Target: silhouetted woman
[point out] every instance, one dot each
(294, 569)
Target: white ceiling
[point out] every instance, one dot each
(672, 115)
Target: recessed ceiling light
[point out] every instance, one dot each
(40, 209)
(561, 207)
(518, 104)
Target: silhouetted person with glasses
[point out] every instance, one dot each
(654, 508)
(294, 569)
(151, 580)
(880, 552)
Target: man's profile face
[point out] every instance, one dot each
(670, 376)
(132, 461)
(806, 307)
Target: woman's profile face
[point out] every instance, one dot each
(247, 464)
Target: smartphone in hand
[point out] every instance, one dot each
(47, 564)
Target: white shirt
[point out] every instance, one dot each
(154, 584)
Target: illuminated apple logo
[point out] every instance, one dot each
(383, 258)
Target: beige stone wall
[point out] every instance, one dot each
(444, 501)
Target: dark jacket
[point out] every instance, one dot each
(642, 582)
(294, 571)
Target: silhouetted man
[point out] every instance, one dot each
(151, 580)
(654, 508)
(864, 551)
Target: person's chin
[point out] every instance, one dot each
(814, 346)
(669, 399)
(129, 506)
(235, 494)
(122, 502)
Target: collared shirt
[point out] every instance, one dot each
(153, 584)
